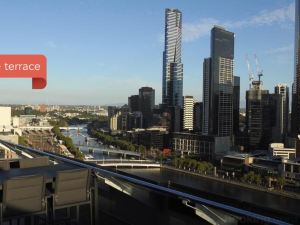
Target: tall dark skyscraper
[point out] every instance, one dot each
(236, 105)
(218, 84)
(133, 103)
(147, 103)
(172, 80)
(257, 116)
(198, 116)
(295, 120)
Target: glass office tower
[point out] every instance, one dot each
(218, 84)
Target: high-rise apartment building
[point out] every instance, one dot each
(172, 81)
(188, 113)
(206, 94)
(218, 84)
(295, 120)
(283, 116)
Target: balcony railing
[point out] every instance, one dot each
(122, 199)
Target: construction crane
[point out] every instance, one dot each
(250, 72)
(259, 71)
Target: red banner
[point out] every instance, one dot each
(25, 66)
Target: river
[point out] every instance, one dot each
(202, 186)
(79, 139)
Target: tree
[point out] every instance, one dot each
(281, 182)
(23, 141)
(257, 179)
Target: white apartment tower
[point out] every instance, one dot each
(188, 113)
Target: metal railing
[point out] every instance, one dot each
(155, 187)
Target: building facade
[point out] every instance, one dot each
(258, 116)
(133, 103)
(236, 105)
(283, 90)
(206, 94)
(205, 146)
(172, 81)
(198, 116)
(218, 84)
(188, 113)
(278, 149)
(295, 118)
(147, 103)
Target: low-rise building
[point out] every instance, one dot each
(205, 146)
(236, 162)
(268, 165)
(291, 170)
(278, 149)
(155, 138)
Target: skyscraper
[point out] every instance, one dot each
(283, 117)
(218, 84)
(206, 94)
(198, 116)
(236, 105)
(133, 103)
(172, 81)
(147, 103)
(295, 120)
(188, 113)
(257, 116)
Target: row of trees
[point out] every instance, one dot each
(254, 178)
(194, 165)
(83, 118)
(68, 142)
(114, 141)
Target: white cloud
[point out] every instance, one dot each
(282, 55)
(281, 15)
(193, 31)
(281, 50)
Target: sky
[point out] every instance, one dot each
(100, 52)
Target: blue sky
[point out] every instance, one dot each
(100, 52)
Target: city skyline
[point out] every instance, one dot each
(108, 78)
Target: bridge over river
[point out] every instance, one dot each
(125, 163)
(123, 153)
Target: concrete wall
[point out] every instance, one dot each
(11, 138)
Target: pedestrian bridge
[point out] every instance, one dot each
(124, 153)
(122, 163)
(72, 128)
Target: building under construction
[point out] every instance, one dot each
(264, 113)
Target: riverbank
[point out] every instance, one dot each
(68, 142)
(244, 185)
